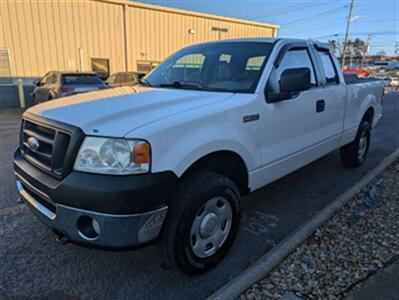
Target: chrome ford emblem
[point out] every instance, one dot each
(33, 143)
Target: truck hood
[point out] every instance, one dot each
(117, 111)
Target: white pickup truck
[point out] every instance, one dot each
(169, 159)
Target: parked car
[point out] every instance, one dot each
(170, 160)
(359, 71)
(123, 78)
(386, 65)
(56, 84)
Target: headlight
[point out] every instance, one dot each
(113, 156)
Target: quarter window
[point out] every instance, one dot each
(297, 58)
(329, 69)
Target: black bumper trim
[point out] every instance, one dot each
(116, 231)
(101, 193)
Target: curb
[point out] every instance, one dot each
(272, 258)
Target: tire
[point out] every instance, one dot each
(198, 215)
(355, 153)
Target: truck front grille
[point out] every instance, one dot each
(44, 146)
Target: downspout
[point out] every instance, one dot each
(81, 64)
(125, 35)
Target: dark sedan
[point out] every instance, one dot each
(57, 84)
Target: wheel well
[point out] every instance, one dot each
(369, 116)
(227, 163)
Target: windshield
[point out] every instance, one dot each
(80, 79)
(223, 66)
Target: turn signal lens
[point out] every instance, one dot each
(141, 153)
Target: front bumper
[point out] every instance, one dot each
(127, 210)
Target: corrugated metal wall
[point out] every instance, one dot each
(64, 35)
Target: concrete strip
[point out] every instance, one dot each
(274, 257)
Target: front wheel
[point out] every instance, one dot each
(202, 223)
(355, 153)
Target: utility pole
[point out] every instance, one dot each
(347, 33)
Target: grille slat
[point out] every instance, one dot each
(39, 153)
(48, 149)
(38, 136)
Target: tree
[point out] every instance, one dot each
(359, 47)
(336, 46)
(381, 52)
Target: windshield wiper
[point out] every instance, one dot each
(182, 85)
(145, 82)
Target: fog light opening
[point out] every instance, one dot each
(89, 228)
(96, 226)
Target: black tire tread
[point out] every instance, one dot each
(187, 189)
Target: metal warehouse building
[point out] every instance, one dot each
(103, 35)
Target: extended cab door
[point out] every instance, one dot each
(334, 96)
(292, 128)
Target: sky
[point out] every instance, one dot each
(321, 20)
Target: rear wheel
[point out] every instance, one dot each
(355, 153)
(201, 224)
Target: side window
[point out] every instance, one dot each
(131, 77)
(297, 59)
(121, 78)
(329, 67)
(44, 78)
(52, 79)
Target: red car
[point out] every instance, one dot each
(360, 72)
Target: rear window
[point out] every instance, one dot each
(329, 69)
(80, 79)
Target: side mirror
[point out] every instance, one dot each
(295, 80)
(292, 81)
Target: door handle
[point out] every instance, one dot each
(320, 105)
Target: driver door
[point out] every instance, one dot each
(293, 127)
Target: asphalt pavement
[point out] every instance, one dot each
(34, 265)
(382, 285)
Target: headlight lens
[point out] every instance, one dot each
(113, 156)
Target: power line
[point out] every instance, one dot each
(315, 16)
(310, 29)
(282, 10)
(356, 33)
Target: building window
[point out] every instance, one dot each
(5, 66)
(101, 67)
(145, 66)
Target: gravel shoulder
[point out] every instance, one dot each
(360, 239)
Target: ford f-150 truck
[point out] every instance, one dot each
(169, 159)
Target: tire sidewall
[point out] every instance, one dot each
(365, 126)
(185, 255)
